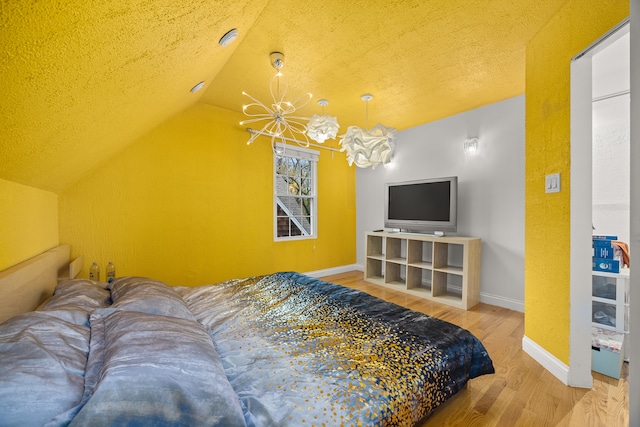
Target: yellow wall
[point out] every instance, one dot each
(191, 203)
(28, 222)
(547, 217)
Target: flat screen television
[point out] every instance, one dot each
(422, 206)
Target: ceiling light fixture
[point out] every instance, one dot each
(368, 147)
(321, 128)
(280, 124)
(228, 38)
(197, 87)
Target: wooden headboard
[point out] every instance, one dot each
(26, 285)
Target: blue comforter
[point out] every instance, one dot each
(300, 351)
(276, 350)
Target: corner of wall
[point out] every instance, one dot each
(28, 222)
(547, 218)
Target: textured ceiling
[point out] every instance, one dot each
(79, 80)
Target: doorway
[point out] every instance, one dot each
(582, 170)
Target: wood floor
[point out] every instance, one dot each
(521, 392)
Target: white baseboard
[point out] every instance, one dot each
(496, 300)
(546, 359)
(333, 270)
(503, 302)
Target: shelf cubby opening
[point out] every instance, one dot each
(440, 254)
(455, 258)
(419, 279)
(375, 269)
(375, 246)
(396, 250)
(395, 274)
(447, 285)
(420, 254)
(448, 257)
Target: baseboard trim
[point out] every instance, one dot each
(503, 302)
(333, 270)
(496, 300)
(546, 359)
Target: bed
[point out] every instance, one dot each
(282, 349)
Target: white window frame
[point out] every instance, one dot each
(304, 154)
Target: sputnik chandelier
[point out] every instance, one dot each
(281, 125)
(363, 147)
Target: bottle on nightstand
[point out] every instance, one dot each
(94, 272)
(111, 272)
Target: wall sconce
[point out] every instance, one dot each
(471, 145)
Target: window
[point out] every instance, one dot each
(294, 187)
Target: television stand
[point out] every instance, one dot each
(445, 269)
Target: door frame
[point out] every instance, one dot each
(581, 174)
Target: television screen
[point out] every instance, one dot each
(427, 205)
(423, 202)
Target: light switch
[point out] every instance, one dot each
(552, 183)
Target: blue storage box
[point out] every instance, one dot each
(603, 252)
(603, 237)
(607, 350)
(610, 265)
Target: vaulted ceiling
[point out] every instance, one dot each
(81, 80)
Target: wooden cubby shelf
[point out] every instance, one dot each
(444, 269)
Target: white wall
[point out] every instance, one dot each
(611, 135)
(490, 188)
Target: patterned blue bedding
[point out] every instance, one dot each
(277, 350)
(299, 351)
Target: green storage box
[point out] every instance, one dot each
(607, 351)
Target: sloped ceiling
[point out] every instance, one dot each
(80, 80)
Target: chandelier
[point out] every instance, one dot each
(320, 128)
(368, 147)
(280, 123)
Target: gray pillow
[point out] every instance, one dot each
(148, 296)
(74, 300)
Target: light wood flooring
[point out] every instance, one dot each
(521, 392)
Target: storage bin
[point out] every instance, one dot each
(604, 314)
(607, 349)
(610, 301)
